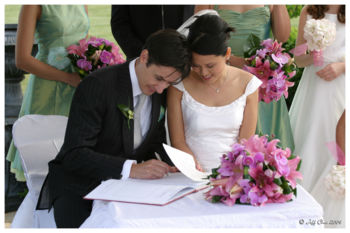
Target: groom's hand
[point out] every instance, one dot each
(151, 169)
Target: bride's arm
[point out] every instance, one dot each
(250, 117)
(176, 124)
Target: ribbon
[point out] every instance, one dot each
(337, 153)
(299, 50)
(316, 55)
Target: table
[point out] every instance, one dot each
(194, 211)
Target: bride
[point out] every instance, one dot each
(217, 104)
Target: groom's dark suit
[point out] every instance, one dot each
(98, 138)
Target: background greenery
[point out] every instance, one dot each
(99, 16)
(294, 12)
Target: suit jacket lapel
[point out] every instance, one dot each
(125, 97)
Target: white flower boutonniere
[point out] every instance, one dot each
(127, 112)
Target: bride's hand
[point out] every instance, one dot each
(332, 71)
(198, 166)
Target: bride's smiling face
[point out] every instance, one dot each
(210, 68)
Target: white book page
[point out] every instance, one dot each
(158, 191)
(185, 163)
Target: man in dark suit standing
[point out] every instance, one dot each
(115, 126)
(132, 24)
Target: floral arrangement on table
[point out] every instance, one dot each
(92, 54)
(335, 180)
(319, 34)
(255, 172)
(267, 60)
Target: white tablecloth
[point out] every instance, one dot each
(194, 211)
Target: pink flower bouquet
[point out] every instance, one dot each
(273, 67)
(255, 172)
(92, 54)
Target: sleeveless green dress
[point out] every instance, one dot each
(273, 118)
(58, 27)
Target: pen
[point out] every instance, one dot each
(158, 157)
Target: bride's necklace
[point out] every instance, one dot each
(217, 89)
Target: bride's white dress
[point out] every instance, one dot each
(315, 111)
(210, 131)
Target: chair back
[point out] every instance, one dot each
(38, 139)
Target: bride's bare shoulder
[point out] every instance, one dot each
(242, 76)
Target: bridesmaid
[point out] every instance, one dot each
(273, 118)
(317, 111)
(52, 81)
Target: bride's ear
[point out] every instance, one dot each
(228, 53)
(144, 56)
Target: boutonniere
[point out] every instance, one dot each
(127, 112)
(161, 113)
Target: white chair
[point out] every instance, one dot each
(38, 139)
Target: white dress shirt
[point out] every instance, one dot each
(145, 114)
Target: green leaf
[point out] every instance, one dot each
(285, 186)
(271, 167)
(246, 172)
(298, 167)
(278, 181)
(214, 173)
(273, 65)
(252, 44)
(216, 199)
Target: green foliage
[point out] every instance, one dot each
(285, 186)
(23, 194)
(294, 10)
(252, 44)
(290, 44)
(216, 199)
(214, 173)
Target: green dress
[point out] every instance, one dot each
(58, 27)
(273, 118)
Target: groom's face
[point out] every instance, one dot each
(155, 78)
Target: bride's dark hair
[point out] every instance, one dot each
(318, 12)
(208, 35)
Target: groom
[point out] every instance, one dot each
(115, 127)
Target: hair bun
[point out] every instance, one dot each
(209, 35)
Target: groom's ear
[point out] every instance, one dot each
(144, 56)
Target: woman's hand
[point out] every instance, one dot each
(332, 71)
(198, 166)
(238, 62)
(73, 79)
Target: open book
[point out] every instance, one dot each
(153, 192)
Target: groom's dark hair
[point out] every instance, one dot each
(169, 48)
